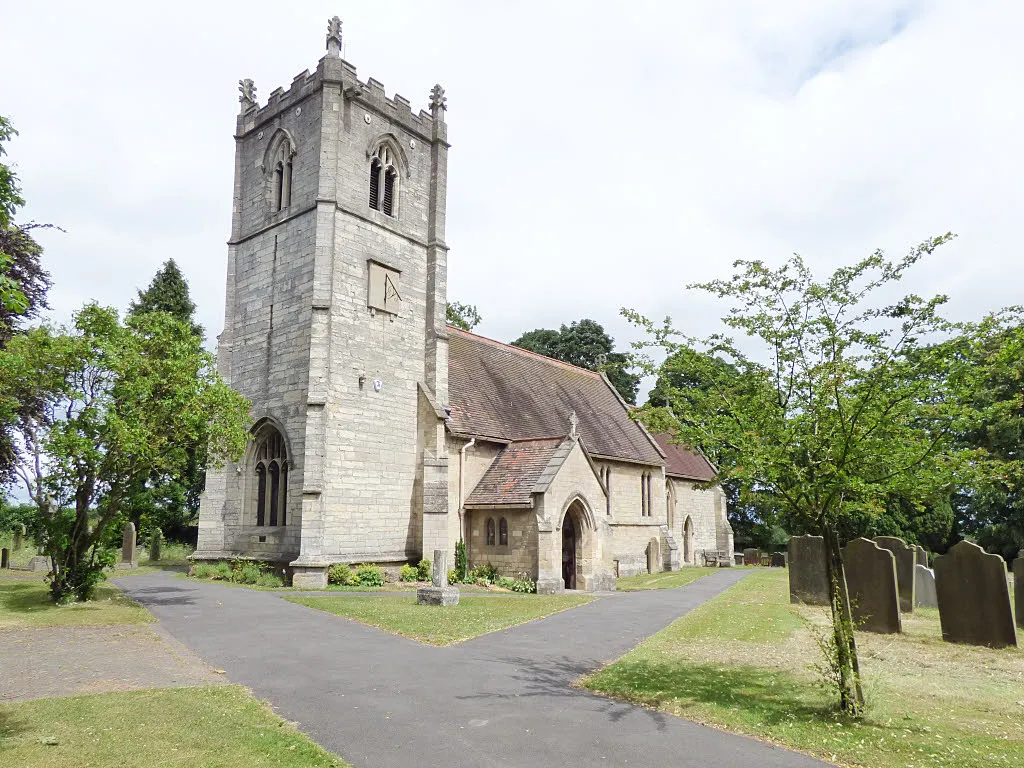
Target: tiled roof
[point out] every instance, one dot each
(516, 473)
(682, 462)
(506, 393)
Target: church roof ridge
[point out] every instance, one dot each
(520, 350)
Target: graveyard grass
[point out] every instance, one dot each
(665, 580)
(473, 616)
(25, 602)
(223, 726)
(742, 662)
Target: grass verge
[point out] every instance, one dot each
(25, 602)
(742, 662)
(213, 727)
(473, 616)
(667, 580)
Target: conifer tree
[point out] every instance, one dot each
(168, 292)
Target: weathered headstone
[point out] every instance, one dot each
(128, 547)
(438, 593)
(974, 597)
(39, 563)
(922, 555)
(924, 589)
(778, 560)
(5, 558)
(156, 541)
(808, 580)
(871, 581)
(1018, 587)
(19, 537)
(906, 557)
(751, 557)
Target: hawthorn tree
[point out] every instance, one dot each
(112, 402)
(842, 402)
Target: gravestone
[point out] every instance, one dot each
(924, 588)
(1018, 587)
(751, 557)
(19, 538)
(974, 597)
(128, 547)
(653, 556)
(906, 558)
(872, 584)
(778, 560)
(5, 558)
(38, 563)
(808, 580)
(922, 555)
(438, 593)
(156, 541)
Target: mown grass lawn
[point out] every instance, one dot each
(443, 626)
(743, 662)
(667, 580)
(25, 602)
(212, 727)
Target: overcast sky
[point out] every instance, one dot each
(603, 154)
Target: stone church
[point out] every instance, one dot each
(380, 432)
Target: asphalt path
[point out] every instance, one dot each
(502, 699)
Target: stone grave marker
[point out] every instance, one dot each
(128, 558)
(778, 560)
(922, 555)
(5, 558)
(808, 580)
(974, 597)
(751, 557)
(19, 538)
(156, 542)
(906, 558)
(924, 588)
(438, 593)
(39, 563)
(872, 584)
(1018, 587)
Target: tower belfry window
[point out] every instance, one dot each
(281, 185)
(383, 181)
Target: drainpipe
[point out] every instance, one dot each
(462, 483)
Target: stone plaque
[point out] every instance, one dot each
(871, 581)
(808, 580)
(924, 589)
(906, 558)
(974, 597)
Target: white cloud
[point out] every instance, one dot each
(603, 155)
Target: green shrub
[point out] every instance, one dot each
(522, 583)
(485, 573)
(369, 575)
(424, 570)
(203, 571)
(248, 574)
(461, 564)
(222, 571)
(340, 574)
(408, 573)
(269, 580)
(453, 576)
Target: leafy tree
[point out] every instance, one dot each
(116, 401)
(169, 497)
(168, 292)
(464, 316)
(585, 343)
(852, 402)
(10, 191)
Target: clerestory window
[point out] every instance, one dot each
(383, 182)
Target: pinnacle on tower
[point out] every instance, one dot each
(334, 37)
(438, 102)
(248, 98)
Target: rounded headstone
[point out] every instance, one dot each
(872, 584)
(808, 579)
(974, 597)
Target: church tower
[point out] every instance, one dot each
(334, 327)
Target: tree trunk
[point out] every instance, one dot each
(851, 694)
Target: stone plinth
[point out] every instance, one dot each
(924, 589)
(871, 581)
(437, 595)
(974, 597)
(808, 580)
(309, 576)
(906, 558)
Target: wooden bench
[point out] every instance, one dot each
(716, 557)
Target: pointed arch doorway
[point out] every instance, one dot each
(569, 536)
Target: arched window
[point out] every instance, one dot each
(645, 494)
(281, 185)
(503, 532)
(270, 466)
(608, 488)
(490, 531)
(383, 181)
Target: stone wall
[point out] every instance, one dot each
(706, 510)
(519, 556)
